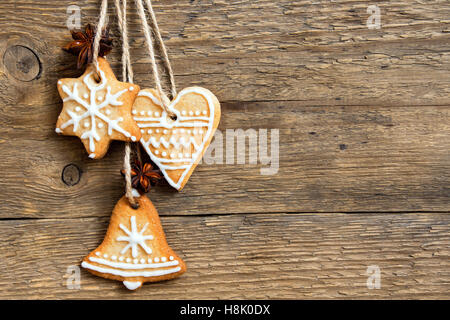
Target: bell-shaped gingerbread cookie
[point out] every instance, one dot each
(135, 249)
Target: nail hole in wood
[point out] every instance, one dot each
(71, 174)
(22, 63)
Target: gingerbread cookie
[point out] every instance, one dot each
(134, 249)
(97, 111)
(177, 145)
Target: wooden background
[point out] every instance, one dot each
(364, 175)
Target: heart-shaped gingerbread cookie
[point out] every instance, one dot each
(177, 145)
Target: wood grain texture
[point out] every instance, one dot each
(363, 118)
(332, 159)
(244, 256)
(311, 51)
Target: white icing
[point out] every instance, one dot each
(93, 109)
(181, 142)
(121, 273)
(171, 258)
(182, 121)
(186, 159)
(135, 238)
(135, 193)
(58, 130)
(132, 285)
(133, 266)
(168, 167)
(169, 126)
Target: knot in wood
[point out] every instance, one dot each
(71, 174)
(22, 63)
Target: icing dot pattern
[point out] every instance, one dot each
(141, 260)
(175, 143)
(91, 118)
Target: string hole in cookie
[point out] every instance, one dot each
(173, 117)
(96, 77)
(135, 206)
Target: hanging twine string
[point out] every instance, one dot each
(100, 26)
(127, 73)
(164, 100)
(162, 46)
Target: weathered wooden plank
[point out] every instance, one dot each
(244, 256)
(332, 159)
(311, 51)
(387, 150)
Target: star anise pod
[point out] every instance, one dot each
(143, 176)
(83, 45)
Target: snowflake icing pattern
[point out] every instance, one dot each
(135, 238)
(93, 104)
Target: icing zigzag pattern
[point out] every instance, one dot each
(172, 141)
(175, 145)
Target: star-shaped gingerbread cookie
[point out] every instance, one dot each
(97, 110)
